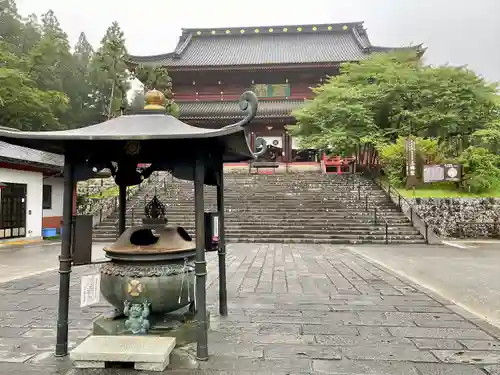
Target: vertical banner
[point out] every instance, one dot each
(411, 163)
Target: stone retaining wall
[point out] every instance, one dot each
(460, 217)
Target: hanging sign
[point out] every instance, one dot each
(90, 292)
(442, 172)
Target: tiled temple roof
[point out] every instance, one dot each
(24, 155)
(200, 110)
(269, 45)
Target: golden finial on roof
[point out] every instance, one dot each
(154, 100)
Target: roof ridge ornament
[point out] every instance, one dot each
(154, 100)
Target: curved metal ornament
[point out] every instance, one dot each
(248, 103)
(261, 145)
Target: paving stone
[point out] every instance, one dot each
(329, 329)
(345, 367)
(469, 357)
(274, 338)
(424, 309)
(437, 344)
(338, 340)
(12, 332)
(444, 323)
(302, 351)
(449, 333)
(327, 287)
(440, 369)
(257, 365)
(15, 357)
(279, 328)
(374, 332)
(492, 370)
(480, 344)
(387, 353)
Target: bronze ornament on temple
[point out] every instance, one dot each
(153, 137)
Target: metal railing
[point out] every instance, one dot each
(400, 201)
(376, 215)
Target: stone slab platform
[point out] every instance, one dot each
(184, 331)
(146, 352)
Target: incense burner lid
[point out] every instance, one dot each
(152, 243)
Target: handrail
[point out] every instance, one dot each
(146, 194)
(392, 190)
(376, 214)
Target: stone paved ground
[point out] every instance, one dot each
(293, 310)
(470, 277)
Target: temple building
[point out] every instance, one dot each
(31, 191)
(210, 68)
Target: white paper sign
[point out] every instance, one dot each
(216, 227)
(90, 290)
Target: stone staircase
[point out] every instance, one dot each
(286, 208)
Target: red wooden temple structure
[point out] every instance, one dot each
(210, 68)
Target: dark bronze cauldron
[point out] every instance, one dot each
(151, 271)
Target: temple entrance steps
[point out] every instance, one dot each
(286, 208)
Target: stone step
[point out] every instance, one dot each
(252, 226)
(413, 240)
(269, 212)
(150, 353)
(292, 232)
(304, 222)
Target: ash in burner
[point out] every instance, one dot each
(143, 237)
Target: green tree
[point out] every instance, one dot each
(11, 26)
(22, 105)
(83, 108)
(393, 95)
(481, 169)
(109, 74)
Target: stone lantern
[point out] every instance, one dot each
(153, 137)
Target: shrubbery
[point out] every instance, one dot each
(481, 168)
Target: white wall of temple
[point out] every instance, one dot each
(56, 208)
(34, 183)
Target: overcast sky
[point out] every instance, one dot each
(458, 32)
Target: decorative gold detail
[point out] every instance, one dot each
(271, 30)
(285, 29)
(330, 28)
(154, 100)
(134, 288)
(345, 27)
(314, 28)
(299, 28)
(213, 32)
(242, 31)
(257, 31)
(228, 31)
(198, 32)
